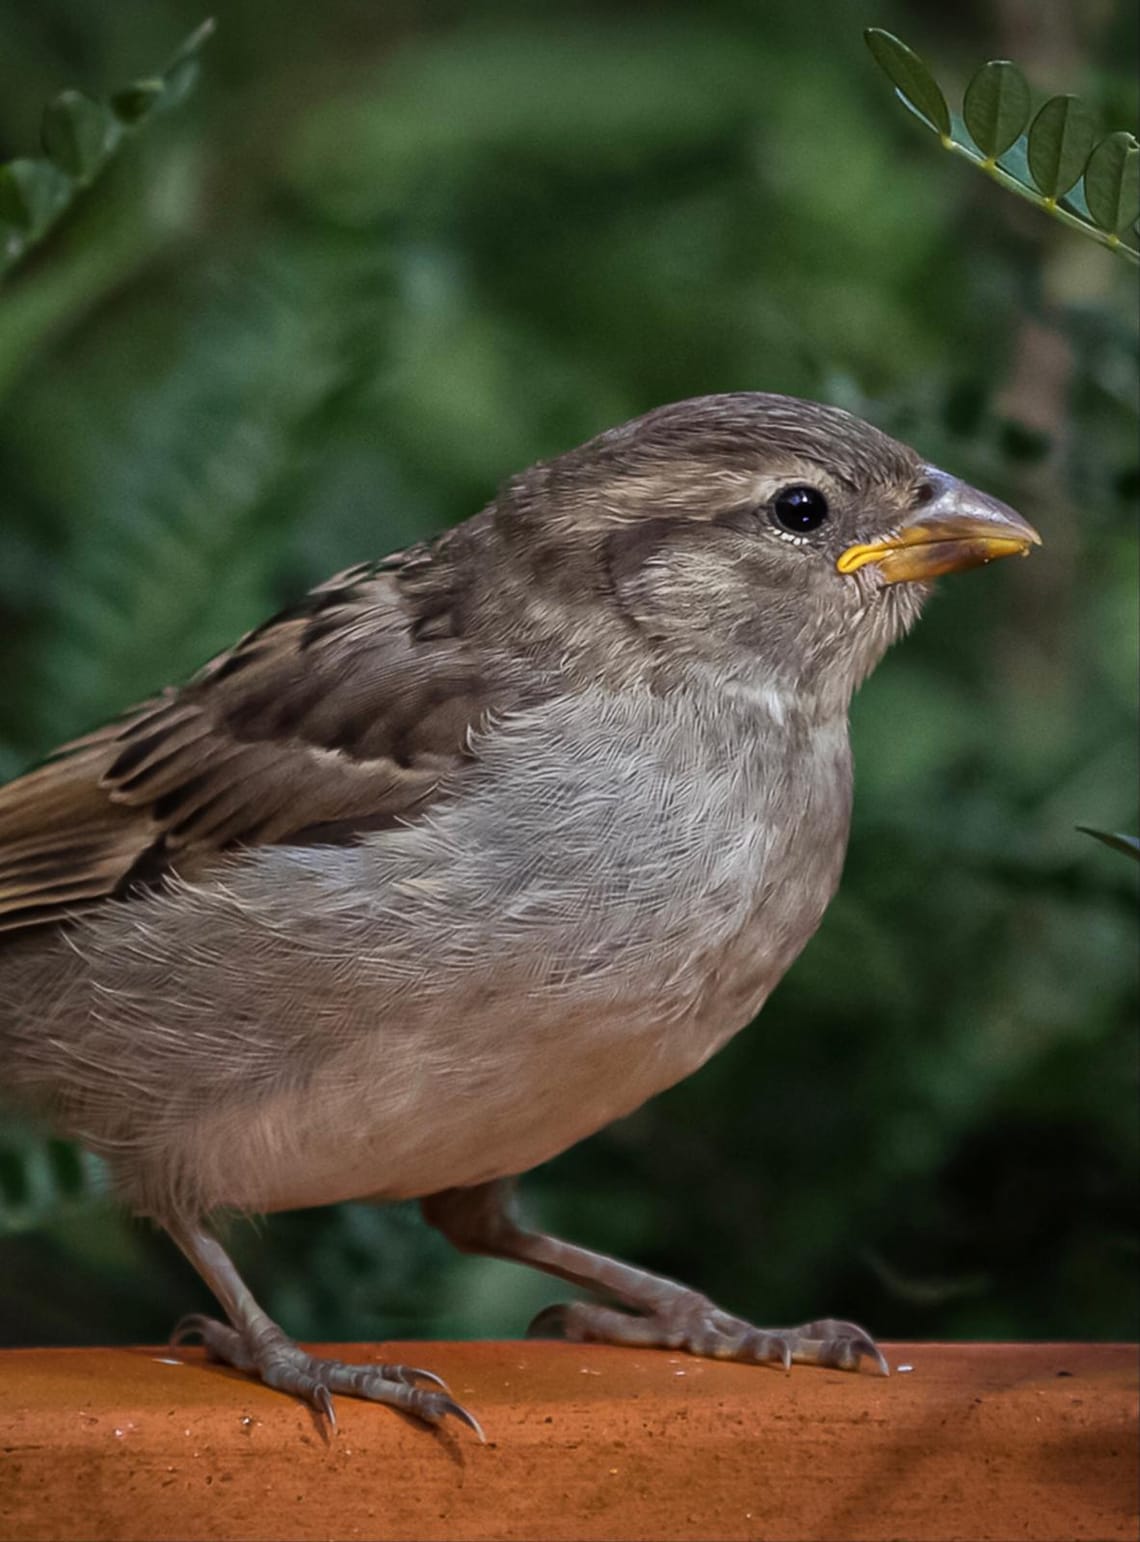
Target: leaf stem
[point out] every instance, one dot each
(1050, 205)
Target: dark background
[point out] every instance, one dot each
(390, 252)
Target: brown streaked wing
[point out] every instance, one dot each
(338, 716)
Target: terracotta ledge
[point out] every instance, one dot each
(973, 1441)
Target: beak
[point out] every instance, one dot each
(956, 528)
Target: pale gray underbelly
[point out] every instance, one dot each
(554, 1077)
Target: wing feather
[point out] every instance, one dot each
(341, 715)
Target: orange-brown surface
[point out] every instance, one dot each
(974, 1441)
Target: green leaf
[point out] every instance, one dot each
(193, 45)
(78, 134)
(134, 102)
(181, 74)
(32, 193)
(1061, 138)
(178, 82)
(12, 243)
(1128, 844)
(172, 87)
(996, 107)
(42, 1177)
(912, 79)
(1112, 182)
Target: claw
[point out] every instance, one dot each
(411, 1374)
(549, 1317)
(192, 1323)
(845, 1345)
(460, 1413)
(323, 1403)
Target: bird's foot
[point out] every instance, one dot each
(282, 1364)
(691, 1322)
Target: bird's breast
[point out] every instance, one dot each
(611, 903)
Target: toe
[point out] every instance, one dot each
(411, 1375)
(840, 1345)
(287, 1367)
(221, 1341)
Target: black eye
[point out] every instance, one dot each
(799, 509)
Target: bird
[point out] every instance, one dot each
(471, 852)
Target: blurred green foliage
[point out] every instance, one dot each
(79, 136)
(389, 253)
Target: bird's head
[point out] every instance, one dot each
(777, 542)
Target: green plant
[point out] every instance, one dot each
(80, 136)
(1128, 844)
(1053, 158)
(42, 1178)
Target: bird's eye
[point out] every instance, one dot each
(799, 510)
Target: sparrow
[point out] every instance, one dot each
(471, 852)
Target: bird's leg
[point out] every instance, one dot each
(658, 1313)
(251, 1341)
